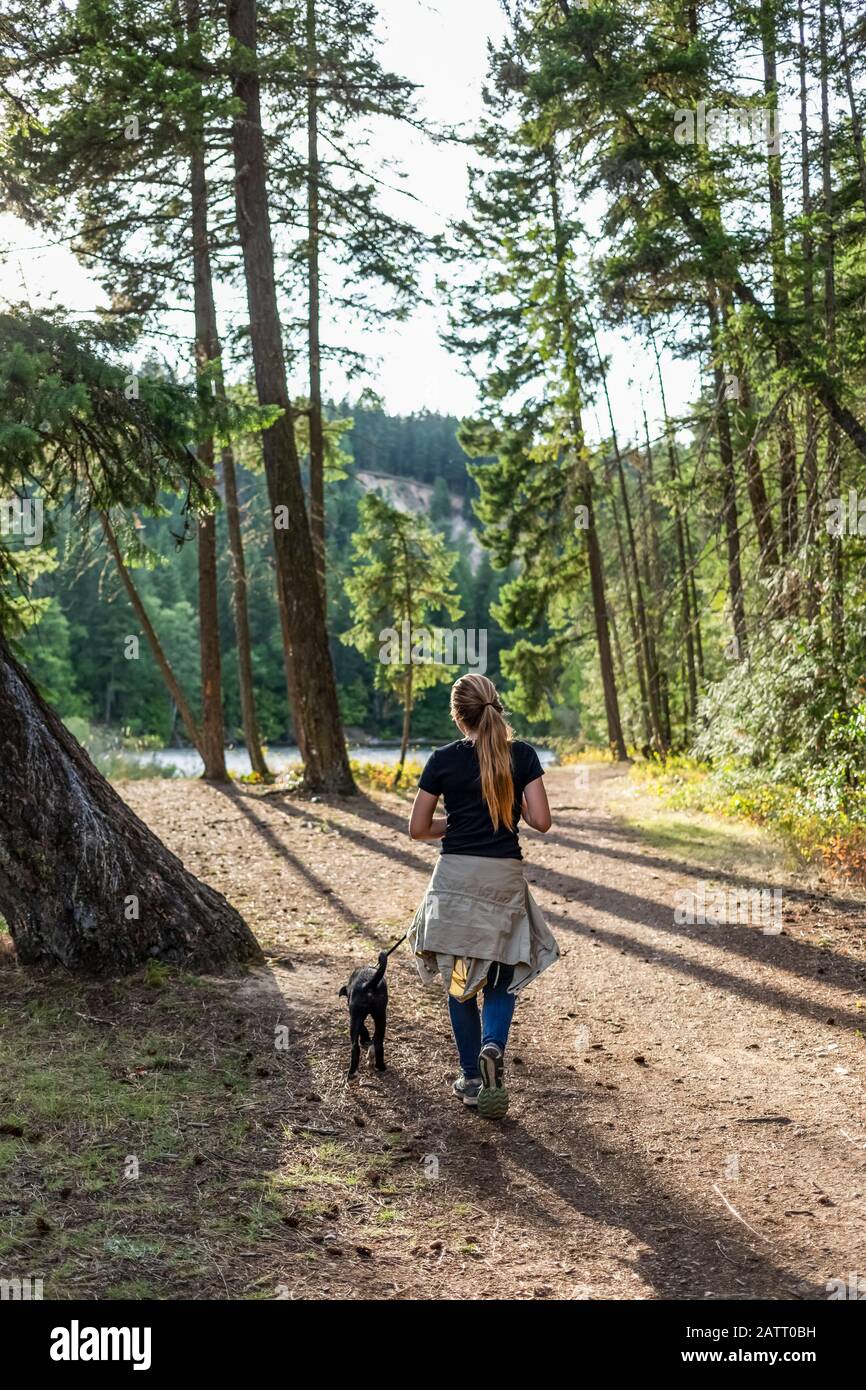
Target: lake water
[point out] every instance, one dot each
(279, 757)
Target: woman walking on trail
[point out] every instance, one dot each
(479, 926)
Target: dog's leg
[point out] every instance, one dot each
(367, 1044)
(379, 1040)
(356, 1027)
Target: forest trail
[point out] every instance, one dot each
(661, 1075)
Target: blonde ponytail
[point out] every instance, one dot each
(476, 704)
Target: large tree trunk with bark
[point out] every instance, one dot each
(212, 726)
(317, 437)
(309, 668)
(208, 358)
(84, 885)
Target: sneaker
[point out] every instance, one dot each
(492, 1099)
(466, 1088)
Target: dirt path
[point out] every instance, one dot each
(661, 1075)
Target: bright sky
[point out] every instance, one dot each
(441, 45)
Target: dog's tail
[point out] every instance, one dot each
(377, 978)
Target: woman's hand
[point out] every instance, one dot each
(423, 825)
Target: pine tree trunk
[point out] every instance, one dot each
(633, 629)
(240, 611)
(781, 305)
(623, 677)
(308, 659)
(208, 356)
(173, 686)
(759, 502)
(654, 587)
(747, 442)
(833, 461)
(648, 655)
(602, 633)
(84, 885)
(856, 122)
(729, 484)
(696, 608)
(583, 477)
(212, 727)
(649, 662)
(653, 546)
(407, 722)
(209, 352)
(317, 439)
(687, 619)
(690, 620)
(810, 446)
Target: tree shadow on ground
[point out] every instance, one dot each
(603, 829)
(776, 951)
(246, 806)
(181, 1073)
(689, 1250)
(758, 992)
(408, 858)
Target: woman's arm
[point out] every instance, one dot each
(536, 810)
(423, 825)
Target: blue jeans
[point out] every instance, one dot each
(472, 1029)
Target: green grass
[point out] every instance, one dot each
(796, 825)
(703, 840)
(160, 1079)
(133, 1289)
(181, 1074)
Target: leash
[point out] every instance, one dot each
(398, 943)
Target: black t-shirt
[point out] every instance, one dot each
(453, 773)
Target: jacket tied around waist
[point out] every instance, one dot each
(478, 911)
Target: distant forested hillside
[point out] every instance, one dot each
(423, 447)
(79, 650)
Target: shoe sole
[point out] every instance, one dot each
(492, 1099)
(492, 1103)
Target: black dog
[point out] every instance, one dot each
(367, 994)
